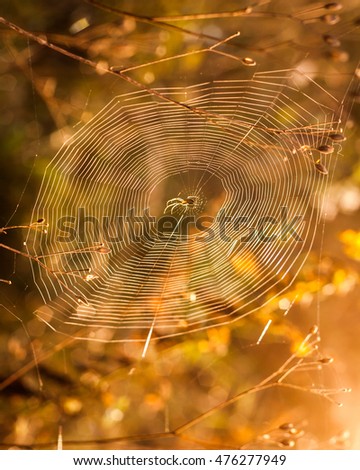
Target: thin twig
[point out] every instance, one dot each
(34, 362)
(151, 21)
(211, 117)
(42, 40)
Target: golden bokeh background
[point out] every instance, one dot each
(98, 395)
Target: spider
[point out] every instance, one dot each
(178, 203)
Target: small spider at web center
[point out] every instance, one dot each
(178, 205)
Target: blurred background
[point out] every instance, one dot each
(96, 395)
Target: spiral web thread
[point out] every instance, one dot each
(247, 148)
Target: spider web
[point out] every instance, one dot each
(251, 150)
(255, 151)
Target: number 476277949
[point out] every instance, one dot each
(250, 459)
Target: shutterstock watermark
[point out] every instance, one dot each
(136, 227)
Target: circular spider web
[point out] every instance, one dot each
(246, 152)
